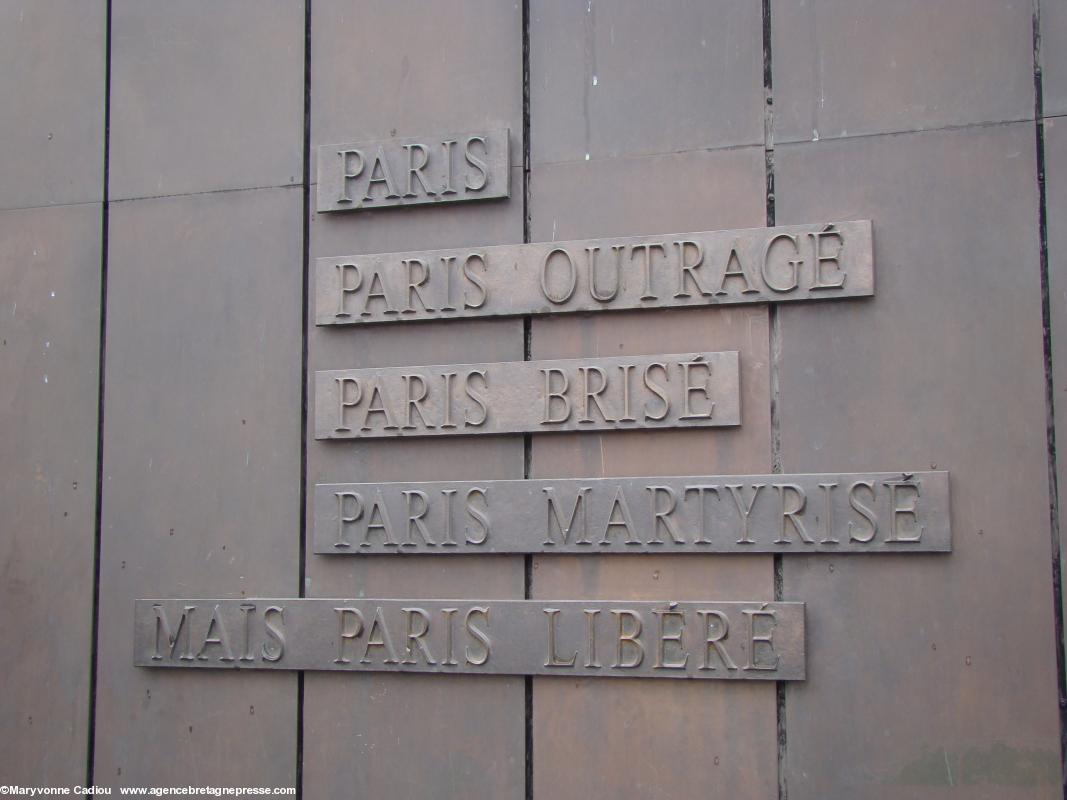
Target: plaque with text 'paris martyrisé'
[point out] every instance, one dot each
(880, 512)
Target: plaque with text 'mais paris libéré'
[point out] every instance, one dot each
(578, 394)
(413, 171)
(878, 512)
(573, 638)
(758, 265)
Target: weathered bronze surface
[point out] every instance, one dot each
(757, 265)
(589, 638)
(579, 394)
(413, 171)
(831, 513)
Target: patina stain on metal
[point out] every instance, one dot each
(582, 394)
(442, 168)
(587, 638)
(758, 265)
(827, 513)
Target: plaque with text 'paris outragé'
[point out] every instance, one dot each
(758, 265)
(590, 638)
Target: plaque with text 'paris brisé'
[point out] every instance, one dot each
(574, 394)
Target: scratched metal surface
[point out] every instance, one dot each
(405, 92)
(645, 178)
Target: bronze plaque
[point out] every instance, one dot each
(757, 265)
(577, 394)
(588, 638)
(880, 512)
(414, 171)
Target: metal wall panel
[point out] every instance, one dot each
(845, 68)
(49, 357)
(1053, 30)
(630, 78)
(1056, 221)
(201, 474)
(455, 71)
(943, 367)
(634, 182)
(52, 75)
(385, 69)
(205, 96)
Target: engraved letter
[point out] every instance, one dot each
(346, 519)
(480, 636)
(790, 515)
(413, 400)
(687, 411)
(864, 512)
(344, 615)
(702, 490)
(348, 174)
(731, 259)
(663, 638)
(565, 530)
(762, 638)
(274, 649)
(686, 269)
(625, 520)
(553, 659)
(385, 525)
(377, 392)
(593, 395)
(416, 639)
(661, 517)
(896, 511)
(381, 164)
(415, 518)
(657, 390)
(561, 395)
(570, 282)
(591, 259)
(344, 402)
(163, 626)
(828, 495)
(475, 281)
(820, 259)
(416, 281)
(738, 494)
(468, 387)
(591, 661)
(477, 163)
(647, 250)
(714, 641)
(794, 265)
(222, 639)
(477, 515)
(628, 639)
(343, 289)
(415, 170)
(378, 636)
